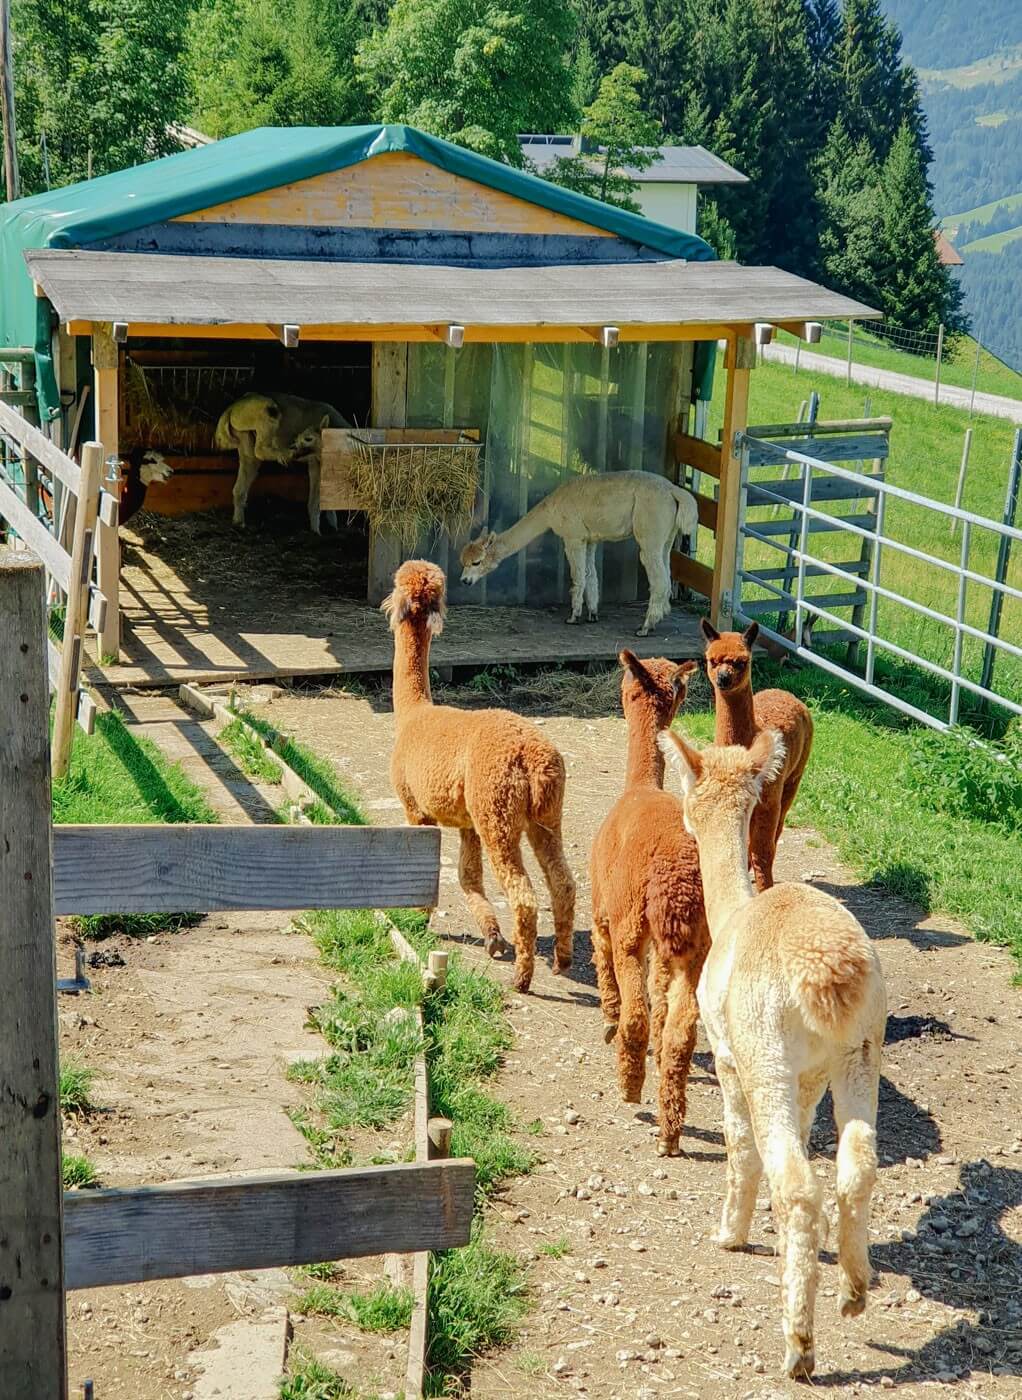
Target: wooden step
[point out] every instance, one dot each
(756, 607)
(816, 527)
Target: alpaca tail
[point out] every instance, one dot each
(224, 436)
(419, 595)
(546, 790)
(686, 517)
(829, 972)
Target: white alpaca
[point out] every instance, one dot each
(587, 510)
(792, 998)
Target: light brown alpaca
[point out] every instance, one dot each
(792, 998)
(741, 716)
(489, 773)
(648, 904)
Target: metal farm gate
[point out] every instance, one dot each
(855, 579)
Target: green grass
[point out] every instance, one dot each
(958, 362)
(926, 445)
(477, 1297)
(309, 1379)
(983, 213)
(383, 1309)
(75, 1084)
(77, 1172)
(237, 738)
(556, 1249)
(993, 242)
(338, 803)
(116, 776)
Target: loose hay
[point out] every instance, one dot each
(411, 489)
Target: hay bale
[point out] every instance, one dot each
(409, 489)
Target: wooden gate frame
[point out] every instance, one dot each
(51, 1241)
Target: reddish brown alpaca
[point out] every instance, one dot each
(648, 904)
(740, 717)
(489, 773)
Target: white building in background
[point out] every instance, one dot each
(667, 192)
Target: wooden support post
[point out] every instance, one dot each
(389, 410)
(522, 557)
(32, 1341)
(940, 356)
(105, 362)
(440, 1130)
(66, 699)
(963, 468)
(741, 357)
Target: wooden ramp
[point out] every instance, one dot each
(167, 639)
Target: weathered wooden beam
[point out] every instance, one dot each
(76, 610)
(825, 488)
(160, 869)
(14, 426)
(36, 536)
(855, 447)
(32, 1342)
(697, 452)
(691, 573)
(707, 509)
(741, 359)
(270, 1220)
(820, 427)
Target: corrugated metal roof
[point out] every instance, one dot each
(684, 165)
(167, 290)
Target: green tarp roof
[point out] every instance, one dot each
(256, 160)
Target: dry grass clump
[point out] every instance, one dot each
(410, 489)
(175, 409)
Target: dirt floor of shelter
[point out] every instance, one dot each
(640, 1302)
(204, 602)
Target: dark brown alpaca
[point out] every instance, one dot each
(741, 716)
(648, 904)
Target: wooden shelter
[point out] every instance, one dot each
(419, 288)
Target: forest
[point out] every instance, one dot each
(809, 98)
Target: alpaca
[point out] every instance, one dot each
(586, 510)
(740, 717)
(792, 997)
(489, 773)
(648, 904)
(266, 428)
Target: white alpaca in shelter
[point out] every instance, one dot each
(792, 997)
(588, 510)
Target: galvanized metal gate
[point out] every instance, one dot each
(795, 478)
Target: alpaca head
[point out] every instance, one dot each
(655, 684)
(309, 442)
(155, 467)
(729, 656)
(721, 785)
(419, 596)
(479, 557)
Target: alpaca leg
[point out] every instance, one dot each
(744, 1167)
(678, 1043)
(633, 1028)
(549, 851)
(603, 957)
(506, 859)
(248, 470)
(797, 1199)
(810, 1092)
(658, 977)
(788, 795)
(576, 556)
(659, 578)
(763, 842)
(592, 585)
(470, 877)
(855, 1089)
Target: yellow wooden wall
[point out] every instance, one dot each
(393, 191)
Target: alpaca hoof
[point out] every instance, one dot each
(727, 1241)
(592, 617)
(496, 946)
(631, 1095)
(852, 1304)
(571, 621)
(522, 981)
(644, 631)
(609, 1031)
(799, 1364)
(668, 1147)
(561, 965)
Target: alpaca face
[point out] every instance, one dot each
(309, 441)
(654, 684)
(479, 557)
(722, 785)
(729, 656)
(155, 467)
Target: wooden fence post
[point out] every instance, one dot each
(741, 357)
(1003, 560)
(32, 1338)
(77, 607)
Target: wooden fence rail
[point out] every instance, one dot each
(49, 1241)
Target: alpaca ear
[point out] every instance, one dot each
(685, 758)
(766, 756)
(750, 634)
(324, 422)
(686, 669)
(709, 631)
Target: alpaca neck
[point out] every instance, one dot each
(736, 720)
(533, 524)
(411, 666)
(724, 866)
(645, 765)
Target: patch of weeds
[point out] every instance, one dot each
(477, 1297)
(340, 805)
(99, 926)
(980, 782)
(309, 1379)
(328, 1149)
(530, 1363)
(252, 758)
(77, 1172)
(324, 1272)
(76, 1081)
(382, 1309)
(535, 1127)
(556, 1249)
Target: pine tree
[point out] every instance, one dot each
(877, 93)
(850, 233)
(616, 125)
(585, 73)
(654, 37)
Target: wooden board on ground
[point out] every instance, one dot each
(154, 869)
(265, 1221)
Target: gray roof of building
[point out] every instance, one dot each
(683, 165)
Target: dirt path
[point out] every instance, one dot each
(639, 1302)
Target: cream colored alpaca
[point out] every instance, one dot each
(792, 998)
(490, 773)
(587, 510)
